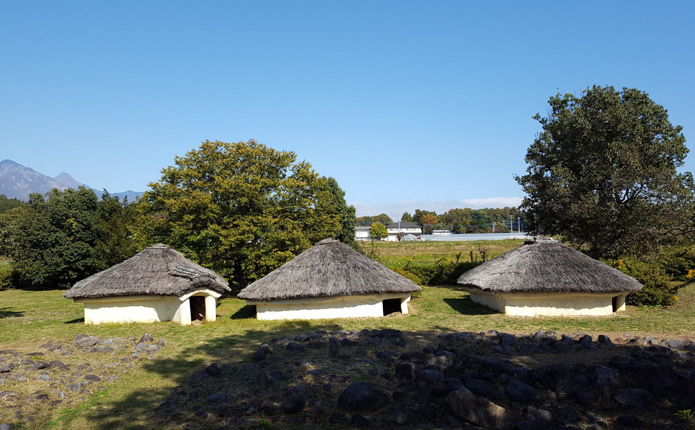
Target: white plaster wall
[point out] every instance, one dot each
(337, 307)
(130, 309)
(147, 308)
(549, 304)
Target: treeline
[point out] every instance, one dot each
(466, 220)
(241, 209)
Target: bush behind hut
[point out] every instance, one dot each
(657, 290)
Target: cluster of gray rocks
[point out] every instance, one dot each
(375, 378)
(62, 373)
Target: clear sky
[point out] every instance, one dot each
(408, 104)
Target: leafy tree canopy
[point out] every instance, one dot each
(417, 216)
(6, 203)
(368, 220)
(603, 173)
(428, 219)
(61, 238)
(406, 217)
(378, 231)
(243, 209)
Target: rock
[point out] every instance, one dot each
(57, 364)
(295, 347)
(333, 347)
(259, 355)
(147, 338)
(405, 371)
(480, 387)
(213, 370)
(587, 397)
(605, 340)
(76, 386)
(478, 410)
(507, 339)
(431, 375)
(361, 395)
(629, 421)
(92, 378)
(86, 341)
(7, 426)
(141, 346)
(635, 398)
(521, 392)
(293, 405)
(6, 369)
(262, 380)
(385, 357)
(586, 341)
(358, 420)
(401, 418)
(220, 398)
(443, 362)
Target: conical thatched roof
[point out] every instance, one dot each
(158, 270)
(547, 266)
(329, 268)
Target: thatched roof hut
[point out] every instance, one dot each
(159, 277)
(329, 279)
(544, 270)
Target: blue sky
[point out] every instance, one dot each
(408, 104)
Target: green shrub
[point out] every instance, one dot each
(679, 262)
(440, 273)
(5, 276)
(657, 290)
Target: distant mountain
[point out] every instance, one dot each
(17, 181)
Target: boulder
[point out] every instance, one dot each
(361, 395)
(635, 398)
(521, 392)
(478, 410)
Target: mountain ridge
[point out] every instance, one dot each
(18, 181)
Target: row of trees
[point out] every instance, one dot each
(500, 220)
(241, 209)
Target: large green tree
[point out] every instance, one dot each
(242, 209)
(603, 173)
(54, 241)
(331, 203)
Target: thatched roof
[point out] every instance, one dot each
(546, 265)
(158, 270)
(329, 268)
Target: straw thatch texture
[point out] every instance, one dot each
(157, 270)
(547, 266)
(328, 269)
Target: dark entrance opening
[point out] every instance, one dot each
(615, 303)
(391, 306)
(197, 308)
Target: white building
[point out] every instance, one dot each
(329, 280)
(158, 284)
(399, 229)
(545, 277)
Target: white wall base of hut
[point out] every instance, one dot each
(147, 309)
(551, 304)
(369, 305)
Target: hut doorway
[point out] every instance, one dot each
(391, 306)
(197, 308)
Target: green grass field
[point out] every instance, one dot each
(29, 319)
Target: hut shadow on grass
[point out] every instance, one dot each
(139, 408)
(75, 321)
(247, 312)
(9, 313)
(468, 307)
